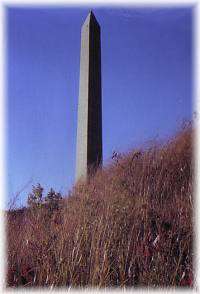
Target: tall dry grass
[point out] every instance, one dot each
(131, 224)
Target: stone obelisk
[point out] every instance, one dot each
(89, 130)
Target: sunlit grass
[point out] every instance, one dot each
(129, 225)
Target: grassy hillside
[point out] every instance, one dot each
(129, 225)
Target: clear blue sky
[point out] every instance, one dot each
(146, 85)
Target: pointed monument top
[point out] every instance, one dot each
(91, 14)
(91, 18)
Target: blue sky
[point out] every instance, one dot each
(146, 85)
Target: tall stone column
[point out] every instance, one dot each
(89, 131)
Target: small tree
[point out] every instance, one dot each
(35, 198)
(52, 199)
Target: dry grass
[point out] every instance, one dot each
(129, 225)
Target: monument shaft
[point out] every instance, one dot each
(89, 131)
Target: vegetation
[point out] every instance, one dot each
(130, 225)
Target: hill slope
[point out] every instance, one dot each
(129, 225)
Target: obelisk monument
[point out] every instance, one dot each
(89, 130)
